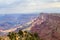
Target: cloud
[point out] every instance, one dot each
(28, 6)
(49, 1)
(8, 3)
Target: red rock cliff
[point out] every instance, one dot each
(47, 26)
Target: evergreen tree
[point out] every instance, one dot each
(23, 36)
(20, 33)
(12, 35)
(36, 37)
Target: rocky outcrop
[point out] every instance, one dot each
(47, 26)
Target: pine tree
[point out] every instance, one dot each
(12, 35)
(20, 33)
(36, 37)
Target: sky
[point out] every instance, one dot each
(29, 6)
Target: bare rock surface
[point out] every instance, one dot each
(47, 26)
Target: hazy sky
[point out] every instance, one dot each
(29, 6)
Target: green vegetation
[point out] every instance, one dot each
(22, 35)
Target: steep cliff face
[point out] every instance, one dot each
(47, 26)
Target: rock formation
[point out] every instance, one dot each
(47, 26)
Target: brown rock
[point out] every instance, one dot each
(47, 26)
